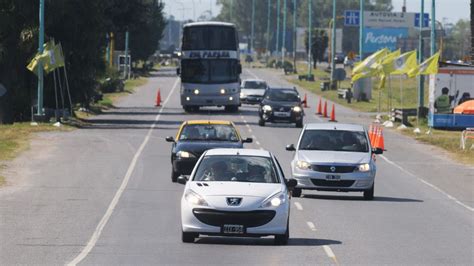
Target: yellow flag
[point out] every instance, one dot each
(369, 61)
(384, 65)
(429, 66)
(51, 58)
(367, 73)
(404, 63)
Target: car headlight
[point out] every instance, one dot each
(275, 201)
(364, 167)
(303, 165)
(267, 108)
(222, 91)
(297, 109)
(185, 154)
(194, 198)
(196, 91)
(242, 94)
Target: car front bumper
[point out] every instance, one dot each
(355, 181)
(251, 99)
(274, 117)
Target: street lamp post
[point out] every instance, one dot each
(421, 80)
(361, 29)
(433, 27)
(333, 42)
(283, 39)
(40, 64)
(278, 26)
(294, 36)
(253, 27)
(268, 25)
(309, 36)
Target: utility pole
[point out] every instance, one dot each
(283, 39)
(253, 27)
(310, 4)
(421, 80)
(361, 29)
(433, 27)
(278, 26)
(231, 9)
(294, 36)
(268, 25)
(127, 62)
(40, 64)
(333, 42)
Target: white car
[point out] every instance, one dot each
(334, 157)
(252, 91)
(236, 192)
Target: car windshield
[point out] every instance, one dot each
(282, 95)
(238, 168)
(334, 140)
(253, 84)
(209, 132)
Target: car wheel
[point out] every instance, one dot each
(174, 176)
(369, 194)
(188, 237)
(283, 239)
(296, 192)
(299, 124)
(261, 122)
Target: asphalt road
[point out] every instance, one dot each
(103, 196)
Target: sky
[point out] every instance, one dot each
(451, 10)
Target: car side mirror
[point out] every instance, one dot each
(178, 71)
(291, 183)
(182, 179)
(247, 140)
(377, 151)
(290, 147)
(169, 139)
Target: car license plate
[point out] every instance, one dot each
(234, 229)
(282, 114)
(333, 177)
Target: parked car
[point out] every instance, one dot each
(195, 137)
(281, 105)
(236, 192)
(334, 157)
(252, 90)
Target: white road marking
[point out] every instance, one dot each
(428, 184)
(329, 252)
(252, 74)
(98, 230)
(257, 142)
(298, 206)
(311, 226)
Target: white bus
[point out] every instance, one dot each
(210, 66)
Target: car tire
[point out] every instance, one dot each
(283, 239)
(174, 176)
(369, 194)
(261, 122)
(299, 124)
(296, 192)
(188, 237)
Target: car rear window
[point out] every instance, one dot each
(255, 85)
(209, 132)
(334, 140)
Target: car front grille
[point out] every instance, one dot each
(247, 219)
(330, 183)
(282, 109)
(337, 169)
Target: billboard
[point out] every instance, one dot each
(381, 19)
(379, 38)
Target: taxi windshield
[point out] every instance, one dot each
(209, 132)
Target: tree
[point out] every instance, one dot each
(457, 44)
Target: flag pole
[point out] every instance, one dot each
(56, 115)
(40, 64)
(67, 82)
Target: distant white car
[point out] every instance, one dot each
(236, 192)
(252, 91)
(334, 157)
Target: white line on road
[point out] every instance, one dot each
(311, 226)
(98, 230)
(428, 184)
(299, 206)
(329, 252)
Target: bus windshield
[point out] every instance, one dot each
(209, 71)
(209, 38)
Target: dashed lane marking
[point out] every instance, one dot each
(98, 230)
(257, 142)
(299, 206)
(330, 254)
(311, 226)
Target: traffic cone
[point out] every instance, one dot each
(305, 101)
(325, 111)
(320, 111)
(371, 135)
(379, 140)
(333, 114)
(158, 98)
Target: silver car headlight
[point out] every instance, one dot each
(267, 108)
(363, 167)
(185, 154)
(303, 165)
(275, 201)
(194, 198)
(297, 109)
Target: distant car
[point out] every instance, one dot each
(334, 157)
(252, 90)
(197, 136)
(236, 192)
(281, 105)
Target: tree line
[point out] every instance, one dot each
(81, 26)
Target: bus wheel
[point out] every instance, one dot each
(231, 108)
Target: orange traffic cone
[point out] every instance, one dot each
(371, 135)
(320, 111)
(158, 98)
(380, 140)
(305, 101)
(333, 114)
(325, 110)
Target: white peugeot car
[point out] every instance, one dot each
(236, 192)
(334, 157)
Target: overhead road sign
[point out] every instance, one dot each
(382, 19)
(426, 20)
(351, 18)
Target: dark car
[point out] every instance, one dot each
(252, 90)
(281, 105)
(196, 137)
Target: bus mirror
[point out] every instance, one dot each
(178, 71)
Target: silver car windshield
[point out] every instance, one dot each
(334, 140)
(233, 168)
